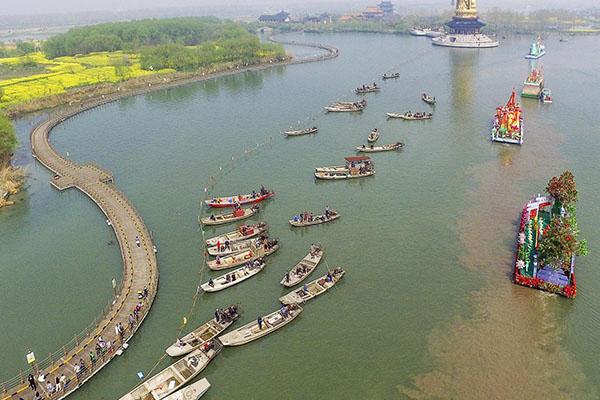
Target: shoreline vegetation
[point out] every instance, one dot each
(87, 97)
(11, 178)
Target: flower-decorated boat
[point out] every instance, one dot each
(377, 149)
(262, 326)
(204, 333)
(177, 375)
(304, 268)
(244, 232)
(236, 215)
(240, 199)
(313, 289)
(507, 124)
(534, 84)
(536, 50)
(548, 242)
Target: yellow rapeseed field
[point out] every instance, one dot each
(68, 72)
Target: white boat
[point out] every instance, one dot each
(237, 215)
(175, 376)
(410, 116)
(434, 33)
(301, 132)
(313, 289)
(191, 392)
(428, 99)
(304, 268)
(344, 109)
(244, 232)
(373, 136)
(337, 168)
(235, 260)
(233, 278)
(203, 334)
(225, 248)
(377, 149)
(269, 324)
(417, 32)
(316, 220)
(367, 89)
(332, 176)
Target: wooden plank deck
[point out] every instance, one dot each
(140, 270)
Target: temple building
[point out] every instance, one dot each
(280, 17)
(465, 28)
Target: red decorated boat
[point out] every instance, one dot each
(548, 241)
(240, 199)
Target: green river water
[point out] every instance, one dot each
(426, 310)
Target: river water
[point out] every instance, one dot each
(426, 309)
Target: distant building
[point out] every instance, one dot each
(387, 7)
(320, 19)
(280, 17)
(372, 13)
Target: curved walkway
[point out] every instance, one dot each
(140, 269)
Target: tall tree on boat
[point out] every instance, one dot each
(560, 240)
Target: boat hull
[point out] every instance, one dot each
(316, 221)
(226, 204)
(191, 392)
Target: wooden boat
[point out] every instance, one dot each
(270, 323)
(367, 89)
(191, 392)
(175, 376)
(233, 248)
(373, 136)
(338, 168)
(392, 76)
(377, 149)
(241, 199)
(304, 268)
(301, 132)
(314, 288)
(345, 106)
(332, 176)
(237, 215)
(344, 109)
(203, 334)
(428, 99)
(356, 167)
(411, 117)
(233, 278)
(244, 232)
(235, 260)
(317, 219)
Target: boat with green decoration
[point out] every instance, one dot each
(547, 242)
(536, 50)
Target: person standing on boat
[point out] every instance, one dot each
(217, 315)
(259, 320)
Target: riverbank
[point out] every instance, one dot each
(107, 92)
(11, 182)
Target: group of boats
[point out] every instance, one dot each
(247, 245)
(533, 87)
(432, 33)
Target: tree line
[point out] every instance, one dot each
(135, 35)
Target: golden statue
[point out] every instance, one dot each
(466, 9)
